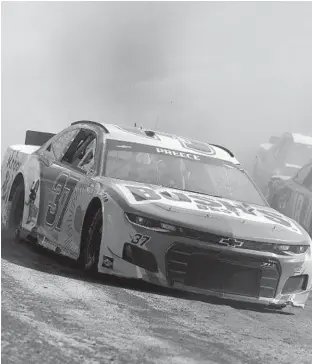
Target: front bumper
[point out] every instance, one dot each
(207, 268)
(239, 276)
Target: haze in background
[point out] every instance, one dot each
(231, 73)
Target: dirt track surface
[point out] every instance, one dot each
(52, 313)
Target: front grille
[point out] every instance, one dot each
(222, 272)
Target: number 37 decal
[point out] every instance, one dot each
(140, 240)
(63, 188)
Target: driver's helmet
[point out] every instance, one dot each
(141, 166)
(169, 170)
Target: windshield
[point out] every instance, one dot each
(180, 170)
(299, 154)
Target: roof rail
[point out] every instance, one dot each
(91, 123)
(225, 149)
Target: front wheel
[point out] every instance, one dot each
(91, 243)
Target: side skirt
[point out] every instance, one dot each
(37, 239)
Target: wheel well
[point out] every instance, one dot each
(94, 205)
(19, 179)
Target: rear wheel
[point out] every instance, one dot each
(17, 210)
(91, 243)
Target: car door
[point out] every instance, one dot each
(50, 169)
(60, 180)
(299, 204)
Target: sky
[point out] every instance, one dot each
(232, 73)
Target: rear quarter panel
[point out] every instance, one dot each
(19, 159)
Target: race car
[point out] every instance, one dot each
(283, 156)
(144, 204)
(293, 196)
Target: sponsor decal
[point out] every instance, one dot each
(78, 219)
(197, 155)
(104, 196)
(178, 154)
(123, 146)
(32, 208)
(107, 262)
(5, 190)
(142, 195)
(13, 162)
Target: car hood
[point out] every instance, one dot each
(207, 213)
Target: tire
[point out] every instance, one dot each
(17, 210)
(91, 243)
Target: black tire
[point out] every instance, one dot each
(91, 243)
(17, 210)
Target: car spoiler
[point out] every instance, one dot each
(37, 137)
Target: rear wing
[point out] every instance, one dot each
(37, 137)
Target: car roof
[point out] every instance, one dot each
(158, 139)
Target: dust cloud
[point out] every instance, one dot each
(223, 72)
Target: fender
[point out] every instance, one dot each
(86, 189)
(19, 159)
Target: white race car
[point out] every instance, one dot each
(143, 204)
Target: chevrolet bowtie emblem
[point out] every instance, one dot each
(233, 243)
